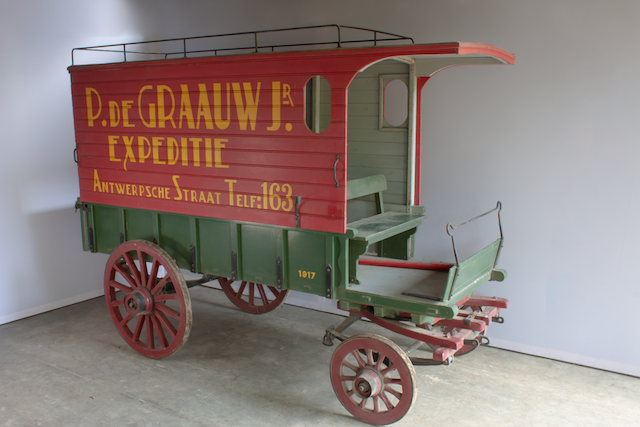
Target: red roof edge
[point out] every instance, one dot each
(465, 48)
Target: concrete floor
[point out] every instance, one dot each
(70, 367)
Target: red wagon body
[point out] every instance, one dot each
(270, 172)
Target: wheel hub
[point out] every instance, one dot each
(368, 383)
(139, 302)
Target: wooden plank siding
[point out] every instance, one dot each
(226, 137)
(370, 150)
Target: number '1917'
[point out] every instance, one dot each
(306, 274)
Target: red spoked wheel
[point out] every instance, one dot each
(148, 298)
(374, 379)
(253, 297)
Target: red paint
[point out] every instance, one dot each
(436, 339)
(387, 262)
(418, 166)
(154, 124)
(459, 323)
(478, 300)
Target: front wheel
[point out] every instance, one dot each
(374, 379)
(148, 298)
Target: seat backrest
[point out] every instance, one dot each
(364, 186)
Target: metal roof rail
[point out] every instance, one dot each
(125, 48)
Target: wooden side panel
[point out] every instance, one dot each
(372, 151)
(226, 137)
(219, 138)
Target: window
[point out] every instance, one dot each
(394, 101)
(317, 104)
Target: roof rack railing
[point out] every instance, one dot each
(125, 48)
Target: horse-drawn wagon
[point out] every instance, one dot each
(271, 168)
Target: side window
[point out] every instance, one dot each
(394, 101)
(317, 104)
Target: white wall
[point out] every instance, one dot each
(555, 138)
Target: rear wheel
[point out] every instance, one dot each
(253, 297)
(148, 299)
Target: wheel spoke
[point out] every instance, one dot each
(132, 268)
(123, 288)
(138, 331)
(150, 341)
(241, 290)
(350, 365)
(126, 320)
(370, 361)
(394, 392)
(168, 310)
(125, 274)
(362, 404)
(142, 260)
(344, 378)
(252, 289)
(161, 336)
(376, 404)
(358, 357)
(166, 297)
(275, 291)
(386, 401)
(165, 322)
(153, 275)
(160, 285)
(379, 362)
(117, 303)
(388, 370)
(263, 295)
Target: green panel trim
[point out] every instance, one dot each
(308, 261)
(392, 174)
(346, 305)
(385, 312)
(498, 275)
(474, 271)
(397, 247)
(214, 246)
(382, 149)
(385, 225)
(330, 261)
(356, 249)
(107, 235)
(424, 307)
(282, 252)
(236, 246)
(193, 240)
(365, 186)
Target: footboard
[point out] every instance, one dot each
(465, 276)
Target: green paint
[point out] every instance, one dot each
(302, 252)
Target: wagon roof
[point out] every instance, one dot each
(428, 58)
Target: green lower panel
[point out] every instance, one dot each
(215, 247)
(107, 228)
(307, 262)
(174, 233)
(141, 225)
(259, 254)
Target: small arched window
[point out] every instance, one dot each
(317, 104)
(394, 101)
